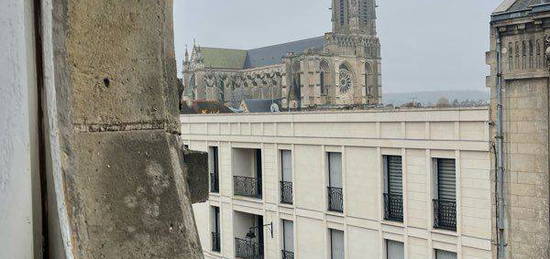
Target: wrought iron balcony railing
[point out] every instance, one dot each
(214, 183)
(393, 207)
(216, 246)
(335, 199)
(247, 186)
(445, 214)
(287, 254)
(248, 249)
(286, 192)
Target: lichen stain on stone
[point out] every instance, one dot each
(130, 201)
(160, 181)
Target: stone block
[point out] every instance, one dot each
(128, 197)
(121, 69)
(196, 168)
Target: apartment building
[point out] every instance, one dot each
(367, 184)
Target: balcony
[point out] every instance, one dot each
(247, 186)
(335, 199)
(286, 192)
(248, 249)
(393, 207)
(445, 214)
(216, 247)
(287, 254)
(214, 183)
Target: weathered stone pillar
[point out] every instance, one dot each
(121, 175)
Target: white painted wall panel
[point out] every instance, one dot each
(18, 141)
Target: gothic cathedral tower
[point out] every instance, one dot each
(354, 16)
(354, 40)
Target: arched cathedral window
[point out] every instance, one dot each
(517, 55)
(342, 12)
(345, 78)
(538, 61)
(323, 76)
(363, 11)
(510, 56)
(523, 54)
(368, 71)
(531, 49)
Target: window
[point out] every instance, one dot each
(337, 244)
(288, 240)
(216, 244)
(395, 250)
(323, 77)
(342, 9)
(393, 188)
(346, 79)
(367, 83)
(214, 170)
(510, 56)
(249, 239)
(440, 254)
(335, 188)
(364, 11)
(445, 194)
(247, 172)
(286, 175)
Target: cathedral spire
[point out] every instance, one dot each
(186, 54)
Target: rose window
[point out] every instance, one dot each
(345, 80)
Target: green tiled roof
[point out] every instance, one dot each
(223, 58)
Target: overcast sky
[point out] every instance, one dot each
(426, 44)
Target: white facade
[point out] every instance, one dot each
(19, 170)
(363, 139)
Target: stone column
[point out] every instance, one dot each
(122, 178)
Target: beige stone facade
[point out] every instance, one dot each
(341, 68)
(522, 28)
(363, 140)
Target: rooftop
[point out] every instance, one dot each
(432, 110)
(265, 56)
(510, 9)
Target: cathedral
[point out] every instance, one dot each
(340, 69)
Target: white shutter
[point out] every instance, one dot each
(286, 160)
(335, 170)
(288, 231)
(395, 174)
(396, 250)
(440, 254)
(446, 179)
(337, 244)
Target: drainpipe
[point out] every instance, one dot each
(501, 249)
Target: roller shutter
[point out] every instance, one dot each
(395, 174)
(446, 179)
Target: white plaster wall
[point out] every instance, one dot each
(363, 138)
(202, 219)
(309, 186)
(313, 241)
(362, 177)
(365, 242)
(18, 149)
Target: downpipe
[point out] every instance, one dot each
(500, 171)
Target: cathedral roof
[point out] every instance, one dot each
(238, 59)
(512, 9)
(272, 55)
(521, 7)
(223, 58)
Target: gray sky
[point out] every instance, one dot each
(426, 44)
